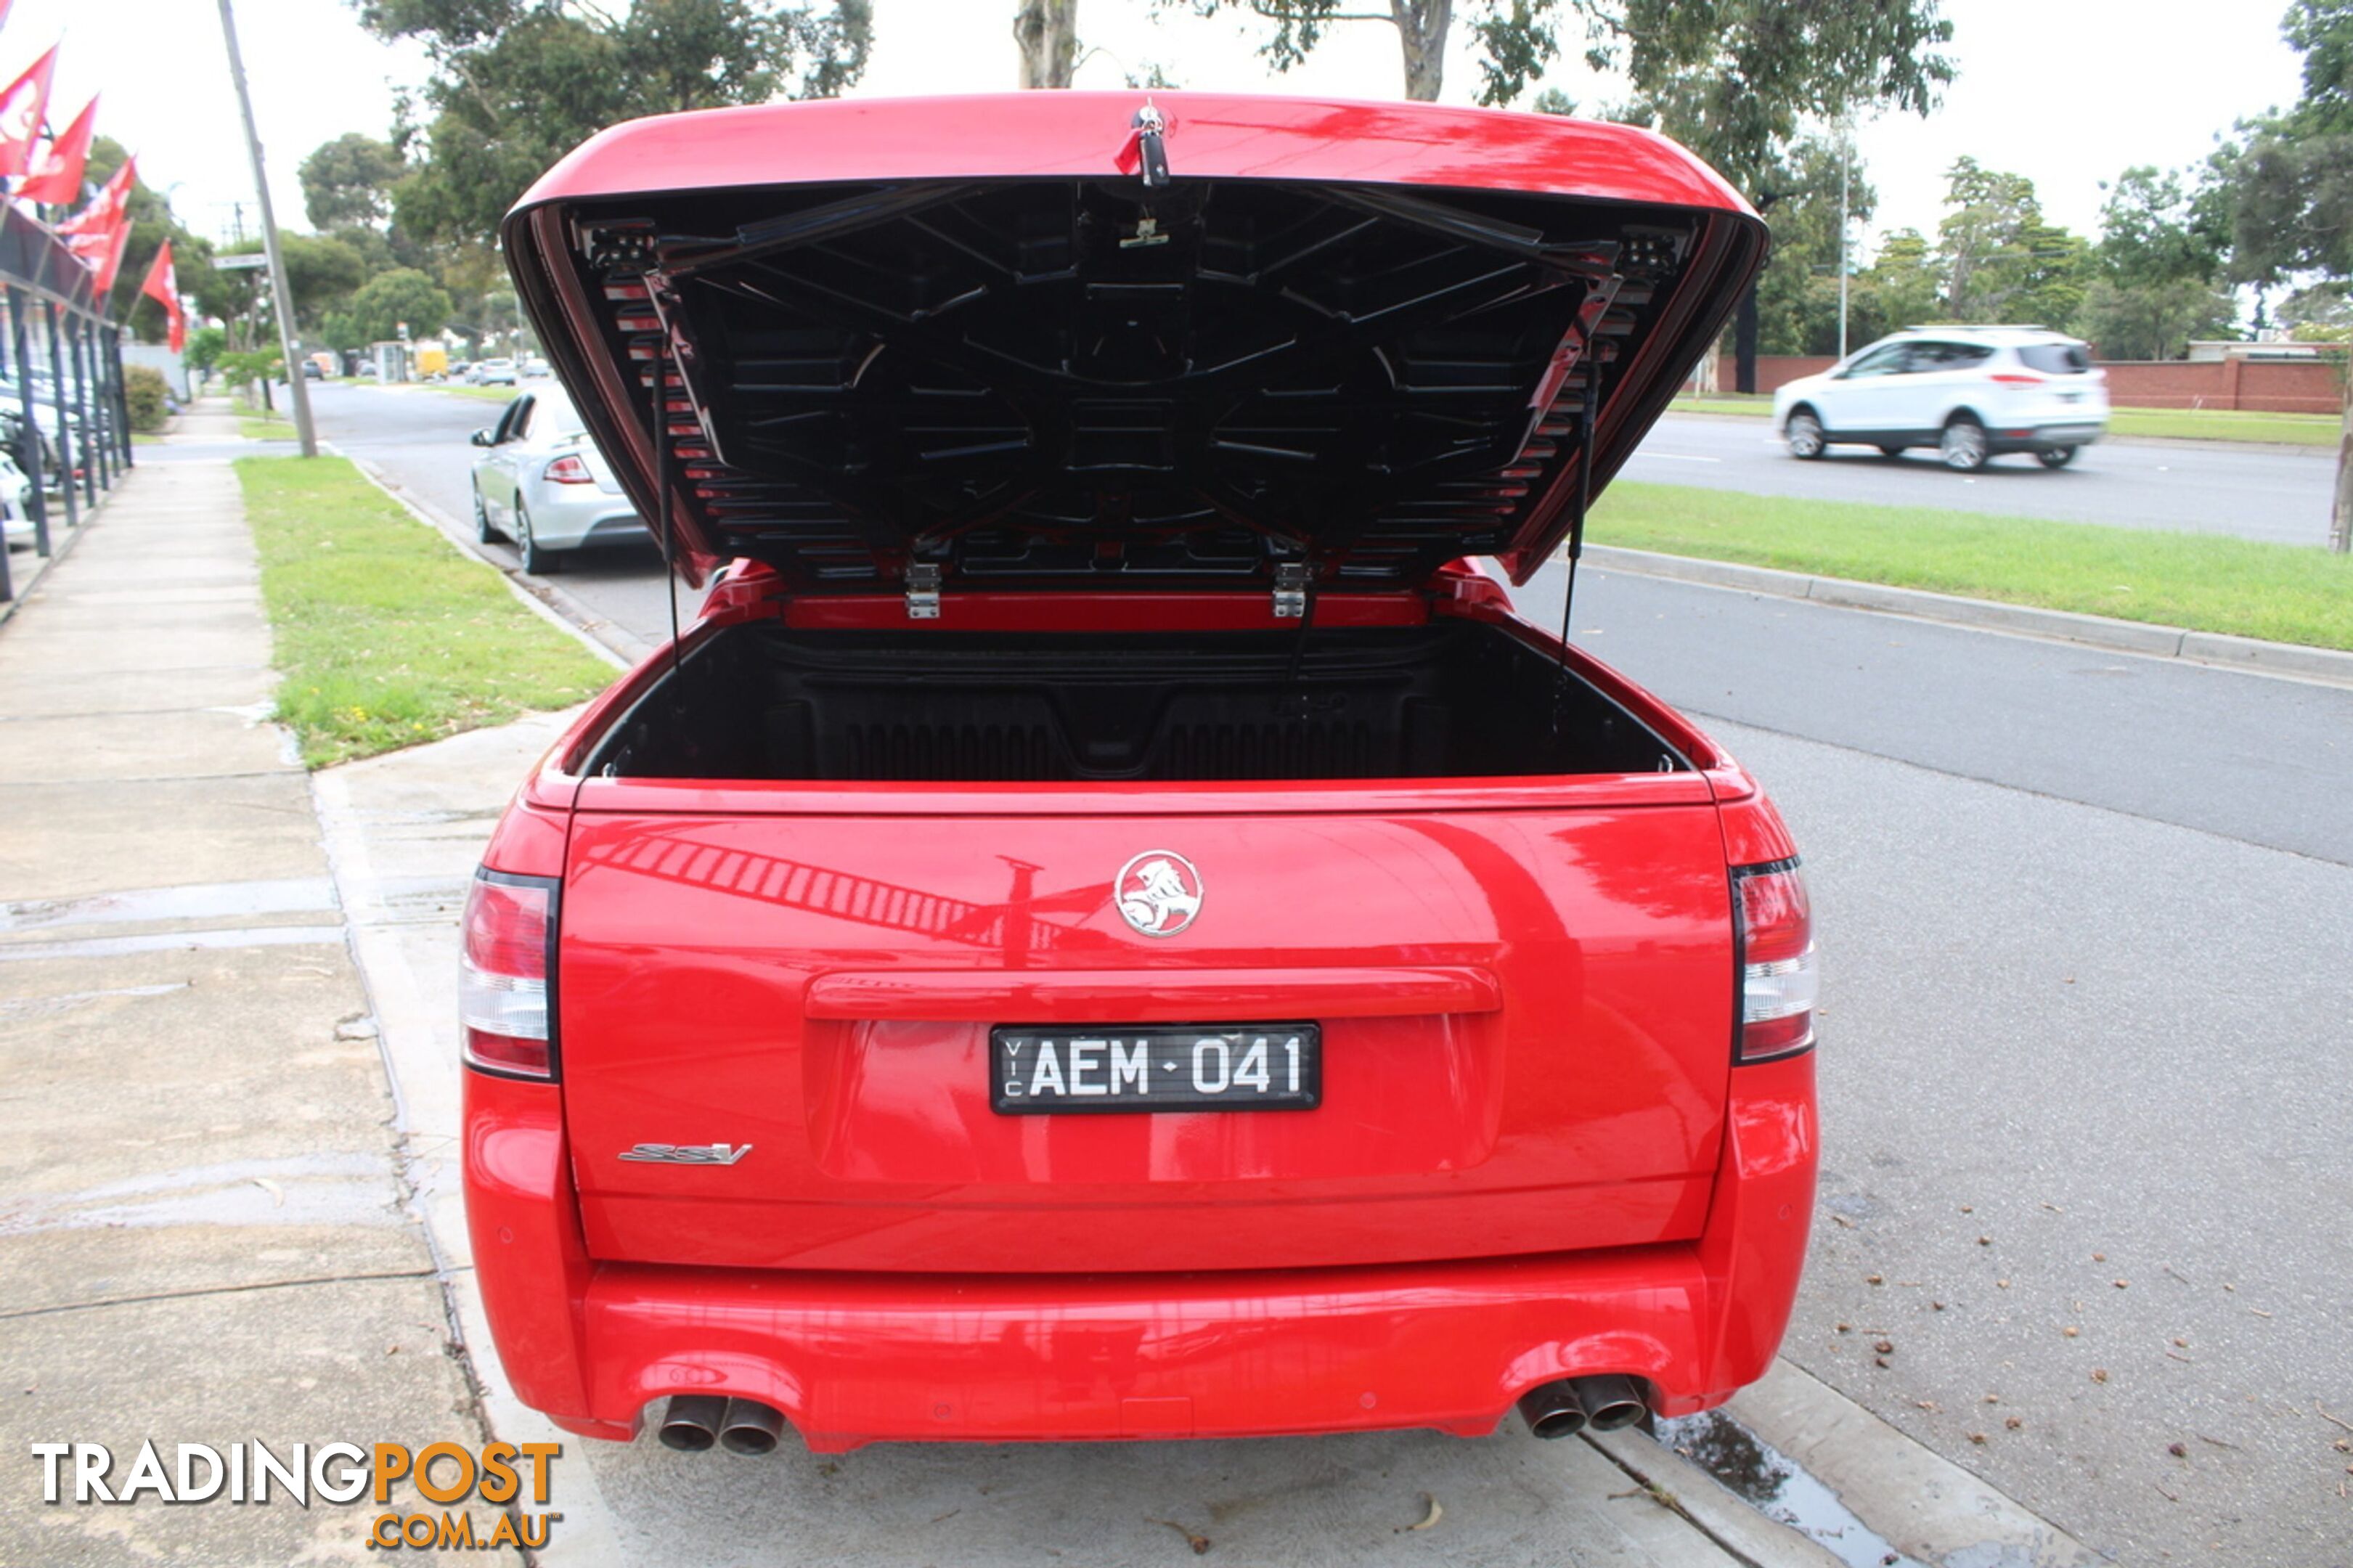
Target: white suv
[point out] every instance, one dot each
(1972, 393)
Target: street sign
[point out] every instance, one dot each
(254, 261)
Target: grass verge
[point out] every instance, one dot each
(1729, 403)
(488, 394)
(264, 428)
(2226, 425)
(386, 636)
(2171, 424)
(2282, 592)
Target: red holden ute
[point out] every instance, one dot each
(1106, 925)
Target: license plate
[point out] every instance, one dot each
(1163, 1067)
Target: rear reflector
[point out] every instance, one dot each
(1777, 979)
(502, 975)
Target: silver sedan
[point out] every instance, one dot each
(541, 483)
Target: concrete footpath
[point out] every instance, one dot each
(204, 1232)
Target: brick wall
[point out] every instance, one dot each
(2258, 386)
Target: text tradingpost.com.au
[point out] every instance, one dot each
(513, 1478)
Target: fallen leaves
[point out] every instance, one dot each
(1435, 1511)
(2179, 1450)
(2099, 1374)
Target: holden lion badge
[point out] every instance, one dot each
(1159, 892)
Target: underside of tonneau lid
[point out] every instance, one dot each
(1100, 341)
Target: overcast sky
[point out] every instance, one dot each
(2067, 92)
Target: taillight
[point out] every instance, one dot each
(2018, 378)
(504, 974)
(1777, 979)
(569, 470)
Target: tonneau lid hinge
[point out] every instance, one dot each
(1290, 590)
(924, 591)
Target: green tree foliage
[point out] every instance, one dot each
(206, 347)
(322, 272)
(2292, 191)
(347, 183)
(1735, 80)
(1797, 299)
(2153, 320)
(2156, 268)
(403, 297)
(519, 83)
(2000, 260)
(1732, 79)
(1900, 288)
(2149, 232)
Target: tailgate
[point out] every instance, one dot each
(1526, 1019)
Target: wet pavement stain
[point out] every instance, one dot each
(1777, 1487)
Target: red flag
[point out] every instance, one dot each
(54, 173)
(97, 234)
(163, 285)
(22, 109)
(106, 208)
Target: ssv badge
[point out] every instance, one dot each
(688, 1153)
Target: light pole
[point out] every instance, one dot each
(1846, 164)
(282, 295)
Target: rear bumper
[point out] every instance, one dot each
(2039, 434)
(855, 1358)
(592, 521)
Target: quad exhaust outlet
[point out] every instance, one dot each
(690, 1425)
(1568, 1405)
(695, 1423)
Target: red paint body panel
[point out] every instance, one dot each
(1584, 1112)
(1216, 135)
(1532, 1155)
(853, 1358)
(1152, 996)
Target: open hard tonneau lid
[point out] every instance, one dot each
(1099, 341)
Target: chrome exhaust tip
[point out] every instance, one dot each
(690, 1425)
(1554, 1409)
(750, 1428)
(1611, 1402)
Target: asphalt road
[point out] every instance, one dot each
(2088, 921)
(2279, 494)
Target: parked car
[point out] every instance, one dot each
(1105, 926)
(1971, 392)
(492, 373)
(16, 504)
(541, 483)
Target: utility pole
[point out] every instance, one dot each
(1846, 164)
(283, 297)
